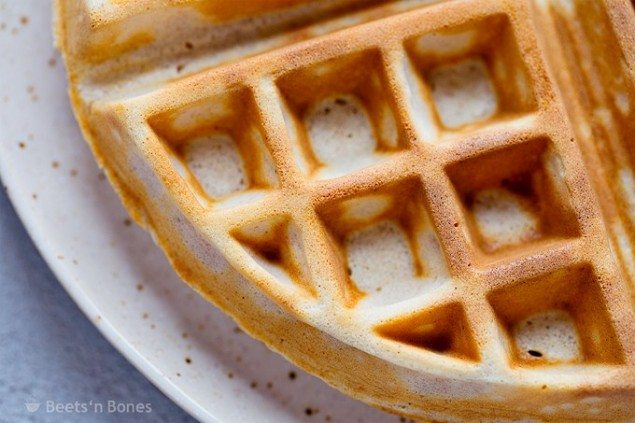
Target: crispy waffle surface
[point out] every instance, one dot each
(429, 205)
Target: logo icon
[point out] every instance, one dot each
(32, 407)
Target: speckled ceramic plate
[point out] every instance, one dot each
(190, 350)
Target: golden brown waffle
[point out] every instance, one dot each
(429, 206)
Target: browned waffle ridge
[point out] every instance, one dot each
(455, 259)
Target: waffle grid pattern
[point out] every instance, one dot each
(429, 158)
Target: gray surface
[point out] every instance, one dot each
(49, 351)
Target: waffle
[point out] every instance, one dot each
(428, 205)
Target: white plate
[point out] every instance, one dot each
(114, 271)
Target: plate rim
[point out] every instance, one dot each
(88, 308)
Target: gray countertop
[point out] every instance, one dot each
(50, 352)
